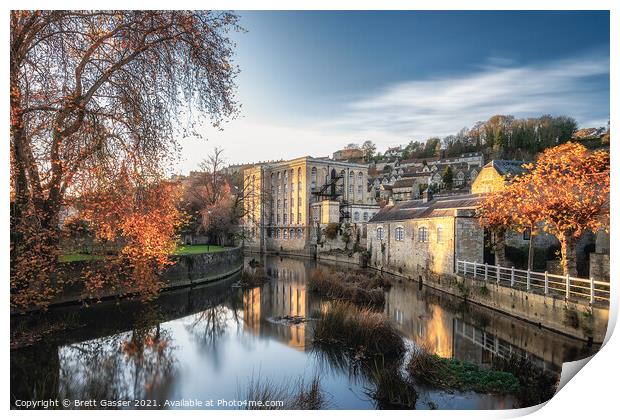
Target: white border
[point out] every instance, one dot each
(591, 394)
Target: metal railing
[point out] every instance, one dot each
(537, 282)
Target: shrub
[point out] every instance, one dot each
(331, 230)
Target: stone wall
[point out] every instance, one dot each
(436, 252)
(571, 317)
(196, 268)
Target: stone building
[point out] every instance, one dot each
(350, 153)
(495, 174)
(429, 234)
(289, 200)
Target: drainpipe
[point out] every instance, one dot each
(454, 239)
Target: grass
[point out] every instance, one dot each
(77, 256)
(359, 288)
(456, 375)
(197, 249)
(301, 397)
(363, 333)
(181, 250)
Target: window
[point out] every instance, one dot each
(292, 218)
(399, 234)
(356, 216)
(380, 233)
(278, 233)
(350, 189)
(365, 216)
(299, 217)
(292, 233)
(526, 235)
(439, 234)
(422, 234)
(360, 178)
(300, 233)
(284, 234)
(313, 176)
(359, 189)
(284, 218)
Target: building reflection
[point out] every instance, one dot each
(284, 295)
(448, 327)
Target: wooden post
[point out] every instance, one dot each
(486, 271)
(512, 277)
(591, 290)
(546, 283)
(567, 286)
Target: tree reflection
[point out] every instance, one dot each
(138, 364)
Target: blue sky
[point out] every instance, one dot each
(314, 81)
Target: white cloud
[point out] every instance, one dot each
(442, 105)
(418, 109)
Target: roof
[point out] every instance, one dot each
(404, 183)
(507, 167)
(417, 209)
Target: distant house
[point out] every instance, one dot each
(349, 153)
(394, 152)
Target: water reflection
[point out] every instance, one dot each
(207, 342)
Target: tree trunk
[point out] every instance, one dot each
(530, 254)
(568, 245)
(500, 247)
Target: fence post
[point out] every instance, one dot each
(567, 286)
(527, 285)
(486, 271)
(591, 290)
(512, 276)
(546, 283)
(497, 272)
(475, 268)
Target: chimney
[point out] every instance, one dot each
(427, 195)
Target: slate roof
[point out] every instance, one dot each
(508, 167)
(416, 209)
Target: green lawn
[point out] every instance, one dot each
(76, 256)
(181, 250)
(198, 249)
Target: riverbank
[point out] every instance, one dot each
(188, 269)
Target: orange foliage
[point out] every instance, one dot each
(566, 192)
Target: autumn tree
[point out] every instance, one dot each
(448, 177)
(213, 201)
(566, 193)
(94, 91)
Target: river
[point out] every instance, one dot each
(209, 342)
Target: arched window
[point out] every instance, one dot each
(422, 234)
(365, 216)
(284, 233)
(300, 233)
(292, 233)
(380, 233)
(399, 234)
(278, 233)
(356, 216)
(299, 174)
(351, 177)
(360, 177)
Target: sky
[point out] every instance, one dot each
(311, 82)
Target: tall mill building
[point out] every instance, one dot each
(287, 202)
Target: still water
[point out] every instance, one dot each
(210, 342)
